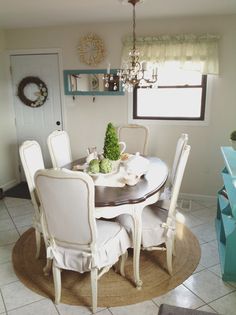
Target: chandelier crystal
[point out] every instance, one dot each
(136, 73)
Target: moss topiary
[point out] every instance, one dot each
(111, 149)
(233, 135)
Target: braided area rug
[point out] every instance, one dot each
(113, 289)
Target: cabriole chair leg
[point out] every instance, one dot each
(94, 282)
(169, 253)
(122, 263)
(38, 242)
(57, 283)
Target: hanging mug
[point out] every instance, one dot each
(123, 145)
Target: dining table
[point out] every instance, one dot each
(111, 202)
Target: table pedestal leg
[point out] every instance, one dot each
(137, 246)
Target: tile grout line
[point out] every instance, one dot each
(214, 299)
(3, 301)
(195, 293)
(17, 308)
(208, 306)
(11, 218)
(220, 298)
(106, 308)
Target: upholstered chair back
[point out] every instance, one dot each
(135, 138)
(182, 141)
(59, 148)
(32, 161)
(67, 200)
(178, 179)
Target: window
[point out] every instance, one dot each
(180, 95)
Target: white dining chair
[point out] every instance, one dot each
(158, 225)
(59, 148)
(77, 241)
(135, 137)
(164, 200)
(32, 161)
(182, 141)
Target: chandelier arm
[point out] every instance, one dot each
(134, 26)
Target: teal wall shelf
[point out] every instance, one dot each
(226, 216)
(90, 82)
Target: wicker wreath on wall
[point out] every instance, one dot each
(41, 94)
(91, 49)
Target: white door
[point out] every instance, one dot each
(36, 123)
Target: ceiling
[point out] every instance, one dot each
(33, 13)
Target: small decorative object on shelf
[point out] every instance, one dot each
(91, 49)
(226, 216)
(233, 139)
(41, 94)
(111, 82)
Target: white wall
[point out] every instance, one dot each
(86, 121)
(8, 175)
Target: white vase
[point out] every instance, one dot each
(115, 165)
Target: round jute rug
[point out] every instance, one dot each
(113, 289)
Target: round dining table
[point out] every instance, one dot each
(111, 202)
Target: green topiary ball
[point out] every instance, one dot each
(233, 135)
(111, 149)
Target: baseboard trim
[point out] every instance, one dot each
(198, 197)
(9, 184)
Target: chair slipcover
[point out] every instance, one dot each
(158, 225)
(59, 148)
(112, 242)
(77, 241)
(32, 161)
(166, 194)
(135, 138)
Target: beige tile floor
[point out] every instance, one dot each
(203, 290)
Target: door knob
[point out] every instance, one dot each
(58, 123)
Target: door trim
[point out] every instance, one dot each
(45, 51)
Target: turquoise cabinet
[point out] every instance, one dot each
(226, 216)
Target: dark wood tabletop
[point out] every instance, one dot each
(148, 185)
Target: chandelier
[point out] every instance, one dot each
(135, 73)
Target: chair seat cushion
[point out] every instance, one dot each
(112, 241)
(153, 233)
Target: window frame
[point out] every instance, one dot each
(203, 85)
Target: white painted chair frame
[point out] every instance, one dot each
(166, 195)
(64, 157)
(30, 170)
(169, 225)
(133, 127)
(86, 248)
(182, 141)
